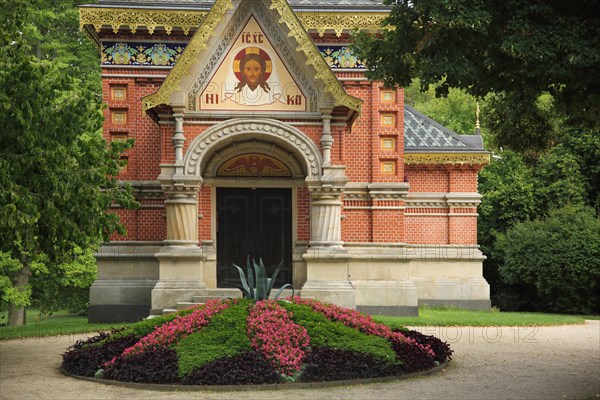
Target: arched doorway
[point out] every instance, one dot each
(255, 223)
(255, 171)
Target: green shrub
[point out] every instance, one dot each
(224, 336)
(335, 335)
(556, 261)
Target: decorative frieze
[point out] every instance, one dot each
(166, 54)
(340, 57)
(169, 20)
(446, 158)
(141, 54)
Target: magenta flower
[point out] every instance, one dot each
(277, 337)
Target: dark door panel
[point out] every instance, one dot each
(255, 223)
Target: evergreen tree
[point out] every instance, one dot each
(56, 172)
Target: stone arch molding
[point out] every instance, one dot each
(231, 131)
(220, 155)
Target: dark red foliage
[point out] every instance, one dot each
(153, 365)
(249, 368)
(413, 358)
(84, 358)
(441, 349)
(326, 364)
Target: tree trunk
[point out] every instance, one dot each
(16, 314)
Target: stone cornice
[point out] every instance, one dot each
(188, 20)
(443, 200)
(463, 199)
(388, 191)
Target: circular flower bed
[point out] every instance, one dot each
(239, 341)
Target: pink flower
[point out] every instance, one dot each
(272, 331)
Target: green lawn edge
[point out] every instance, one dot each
(62, 323)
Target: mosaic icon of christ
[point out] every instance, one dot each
(253, 67)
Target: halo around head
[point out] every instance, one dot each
(256, 51)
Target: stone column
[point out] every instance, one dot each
(326, 137)
(326, 258)
(181, 259)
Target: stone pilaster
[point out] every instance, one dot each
(181, 259)
(326, 258)
(326, 137)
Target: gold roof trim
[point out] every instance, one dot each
(314, 57)
(187, 20)
(207, 29)
(446, 158)
(183, 65)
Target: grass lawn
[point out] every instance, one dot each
(59, 323)
(447, 316)
(64, 323)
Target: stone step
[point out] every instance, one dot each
(182, 305)
(168, 311)
(236, 293)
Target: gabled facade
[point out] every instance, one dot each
(257, 134)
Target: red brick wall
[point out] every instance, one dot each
(204, 210)
(359, 147)
(426, 229)
(303, 211)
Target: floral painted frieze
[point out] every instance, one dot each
(340, 57)
(141, 54)
(166, 54)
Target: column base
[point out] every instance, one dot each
(380, 297)
(341, 293)
(180, 276)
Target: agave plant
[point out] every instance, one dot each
(259, 287)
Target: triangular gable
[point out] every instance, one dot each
(309, 72)
(252, 76)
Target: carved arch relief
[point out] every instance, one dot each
(219, 143)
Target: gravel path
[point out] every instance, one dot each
(560, 362)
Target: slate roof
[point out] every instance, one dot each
(297, 5)
(422, 133)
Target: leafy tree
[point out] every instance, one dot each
(556, 261)
(56, 171)
(520, 50)
(64, 286)
(584, 145)
(558, 180)
(508, 189)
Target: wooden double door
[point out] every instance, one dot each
(255, 223)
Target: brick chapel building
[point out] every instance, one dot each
(257, 134)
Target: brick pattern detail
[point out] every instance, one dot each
(357, 226)
(427, 229)
(303, 212)
(204, 213)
